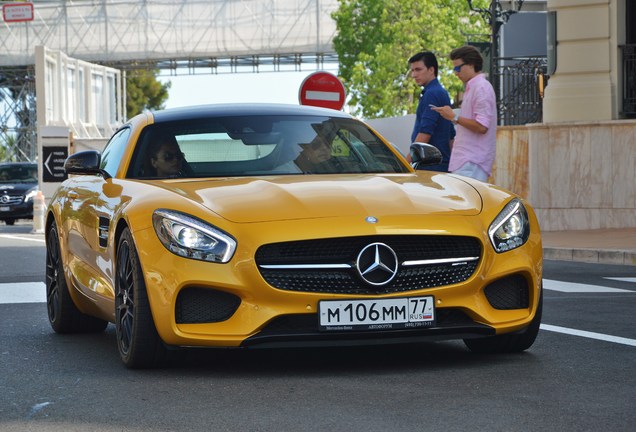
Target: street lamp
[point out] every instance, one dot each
(496, 16)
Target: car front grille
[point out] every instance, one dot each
(330, 265)
(11, 199)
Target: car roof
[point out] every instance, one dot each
(241, 109)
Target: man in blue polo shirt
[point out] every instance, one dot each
(430, 127)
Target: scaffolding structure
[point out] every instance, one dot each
(18, 112)
(177, 37)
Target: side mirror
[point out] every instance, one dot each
(423, 154)
(84, 162)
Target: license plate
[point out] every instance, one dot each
(4, 208)
(385, 314)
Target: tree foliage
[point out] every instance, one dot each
(4, 151)
(144, 91)
(375, 39)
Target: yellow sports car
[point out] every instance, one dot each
(279, 225)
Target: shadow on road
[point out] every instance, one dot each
(288, 362)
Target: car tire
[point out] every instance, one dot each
(138, 342)
(509, 343)
(64, 316)
(10, 221)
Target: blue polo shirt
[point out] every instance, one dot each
(428, 121)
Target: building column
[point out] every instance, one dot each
(583, 86)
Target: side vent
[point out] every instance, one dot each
(104, 224)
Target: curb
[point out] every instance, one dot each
(616, 257)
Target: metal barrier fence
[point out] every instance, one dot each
(520, 89)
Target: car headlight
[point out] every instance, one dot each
(31, 193)
(189, 237)
(510, 229)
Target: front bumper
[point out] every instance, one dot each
(16, 211)
(301, 331)
(253, 313)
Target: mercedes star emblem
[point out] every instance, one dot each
(377, 264)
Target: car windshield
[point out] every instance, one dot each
(261, 145)
(18, 174)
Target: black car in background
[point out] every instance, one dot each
(18, 187)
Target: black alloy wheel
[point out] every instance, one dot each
(138, 342)
(64, 316)
(53, 275)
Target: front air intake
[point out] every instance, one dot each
(203, 305)
(508, 293)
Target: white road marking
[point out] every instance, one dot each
(580, 288)
(37, 408)
(589, 335)
(14, 237)
(628, 279)
(24, 292)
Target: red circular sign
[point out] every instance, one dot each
(322, 89)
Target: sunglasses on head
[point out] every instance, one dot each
(168, 156)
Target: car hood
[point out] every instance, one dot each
(246, 200)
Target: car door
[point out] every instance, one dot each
(90, 213)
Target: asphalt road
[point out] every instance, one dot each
(579, 375)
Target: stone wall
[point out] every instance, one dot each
(511, 169)
(576, 175)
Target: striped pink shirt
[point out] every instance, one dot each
(479, 104)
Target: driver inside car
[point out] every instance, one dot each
(165, 158)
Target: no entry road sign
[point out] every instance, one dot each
(322, 89)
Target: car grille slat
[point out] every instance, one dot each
(339, 251)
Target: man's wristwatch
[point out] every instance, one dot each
(456, 118)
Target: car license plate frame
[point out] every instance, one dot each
(377, 314)
(5, 208)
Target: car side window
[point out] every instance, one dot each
(114, 150)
